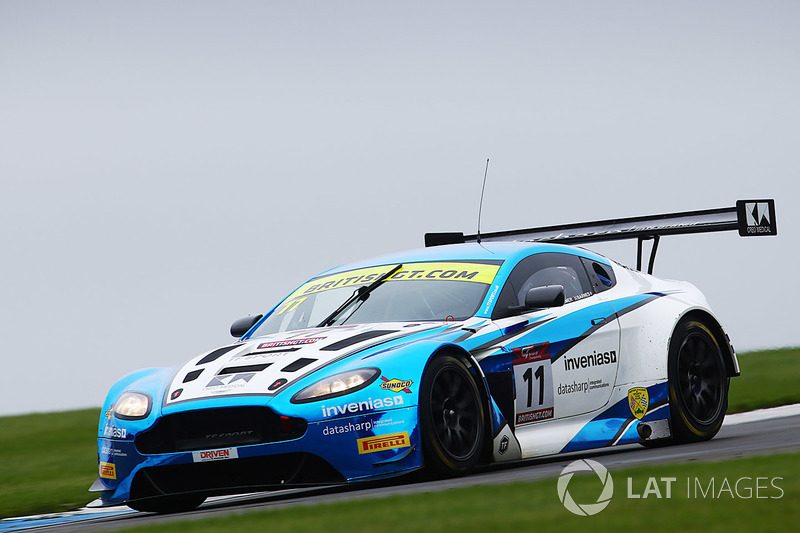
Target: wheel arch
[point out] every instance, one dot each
(706, 318)
(494, 416)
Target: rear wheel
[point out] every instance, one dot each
(168, 504)
(698, 383)
(452, 417)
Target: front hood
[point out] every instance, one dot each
(269, 364)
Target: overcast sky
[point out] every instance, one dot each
(167, 167)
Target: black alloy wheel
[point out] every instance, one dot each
(452, 417)
(701, 376)
(698, 383)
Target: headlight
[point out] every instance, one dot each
(132, 406)
(337, 385)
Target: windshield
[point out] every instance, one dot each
(416, 292)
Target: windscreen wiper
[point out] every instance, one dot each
(360, 294)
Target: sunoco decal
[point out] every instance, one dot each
(396, 385)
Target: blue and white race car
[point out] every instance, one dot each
(475, 349)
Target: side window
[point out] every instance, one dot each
(601, 276)
(540, 270)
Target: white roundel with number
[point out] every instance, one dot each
(533, 381)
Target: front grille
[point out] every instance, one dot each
(218, 428)
(235, 475)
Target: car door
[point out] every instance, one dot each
(566, 364)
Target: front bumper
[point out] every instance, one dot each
(362, 447)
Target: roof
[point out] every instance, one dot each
(497, 251)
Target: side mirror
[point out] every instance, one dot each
(243, 325)
(548, 296)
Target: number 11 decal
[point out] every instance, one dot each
(533, 381)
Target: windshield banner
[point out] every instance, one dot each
(439, 271)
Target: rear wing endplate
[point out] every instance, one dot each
(751, 218)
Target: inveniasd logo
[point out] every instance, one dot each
(585, 509)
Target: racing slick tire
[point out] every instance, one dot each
(452, 417)
(698, 383)
(168, 504)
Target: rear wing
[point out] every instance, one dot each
(751, 218)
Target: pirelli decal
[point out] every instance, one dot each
(438, 271)
(379, 443)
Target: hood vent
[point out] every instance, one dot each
(297, 365)
(245, 368)
(216, 354)
(355, 339)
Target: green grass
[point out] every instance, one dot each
(534, 506)
(768, 379)
(47, 461)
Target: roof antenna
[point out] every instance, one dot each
(480, 206)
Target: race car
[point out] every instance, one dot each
(475, 349)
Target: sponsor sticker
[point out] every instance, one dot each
(113, 432)
(396, 385)
(215, 455)
(366, 405)
(593, 359)
(756, 217)
(378, 443)
(108, 470)
(503, 448)
(358, 425)
(638, 400)
(288, 342)
(229, 382)
(437, 271)
(112, 452)
(533, 382)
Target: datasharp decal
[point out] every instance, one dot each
(396, 385)
(581, 386)
(436, 271)
(286, 343)
(215, 455)
(359, 425)
(379, 443)
(112, 452)
(533, 382)
(638, 401)
(108, 470)
(366, 405)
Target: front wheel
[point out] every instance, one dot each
(452, 417)
(698, 383)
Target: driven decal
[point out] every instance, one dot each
(533, 381)
(378, 443)
(215, 455)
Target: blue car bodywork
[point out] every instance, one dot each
(373, 432)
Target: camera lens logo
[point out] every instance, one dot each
(585, 509)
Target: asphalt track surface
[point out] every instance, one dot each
(763, 432)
